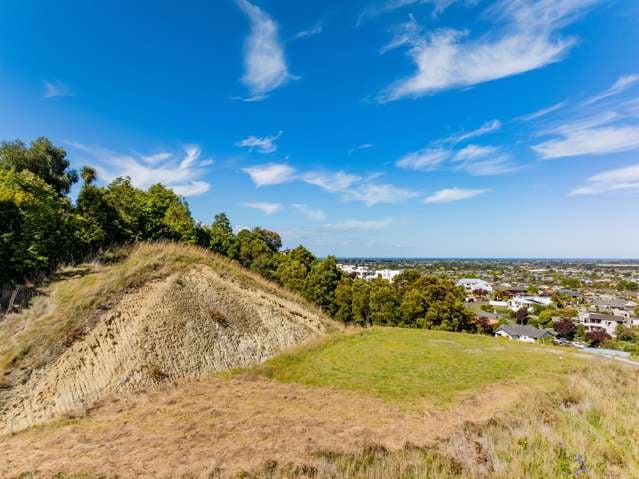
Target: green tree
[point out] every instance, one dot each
(360, 304)
(41, 158)
(384, 303)
(223, 240)
(36, 226)
(344, 300)
(449, 315)
(321, 284)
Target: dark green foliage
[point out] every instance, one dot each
(321, 284)
(44, 160)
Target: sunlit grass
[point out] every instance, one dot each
(416, 367)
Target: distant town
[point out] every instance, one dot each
(578, 303)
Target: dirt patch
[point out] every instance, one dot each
(189, 325)
(230, 426)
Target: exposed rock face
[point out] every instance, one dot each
(186, 326)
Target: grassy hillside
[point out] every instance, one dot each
(379, 403)
(418, 367)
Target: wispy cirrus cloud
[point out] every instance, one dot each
(183, 172)
(541, 113)
(622, 84)
(602, 133)
(618, 180)
(364, 146)
(333, 182)
(360, 225)
(488, 127)
(264, 144)
(475, 160)
(311, 213)
(264, 60)
(270, 174)
(527, 37)
(310, 32)
(485, 160)
(428, 159)
(56, 89)
(380, 8)
(265, 207)
(356, 188)
(349, 187)
(449, 195)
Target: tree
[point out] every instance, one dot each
(360, 302)
(484, 326)
(36, 230)
(321, 284)
(88, 175)
(625, 333)
(597, 338)
(565, 329)
(43, 159)
(344, 300)
(521, 315)
(449, 315)
(384, 302)
(222, 239)
(413, 307)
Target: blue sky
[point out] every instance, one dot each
(430, 128)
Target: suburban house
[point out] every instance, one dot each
(517, 302)
(363, 272)
(605, 322)
(475, 284)
(524, 333)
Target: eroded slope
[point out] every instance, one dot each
(189, 324)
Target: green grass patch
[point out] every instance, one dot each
(414, 367)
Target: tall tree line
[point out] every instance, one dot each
(40, 228)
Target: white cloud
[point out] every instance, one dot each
(270, 174)
(265, 207)
(528, 38)
(483, 161)
(55, 89)
(623, 83)
(591, 136)
(390, 5)
(317, 215)
(262, 145)
(314, 30)
(472, 152)
(331, 182)
(473, 159)
(360, 225)
(449, 195)
(373, 194)
(423, 160)
(620, 179)
(543, 112)
(264, 60)
(488, 127)
(180, 172)
(365, 146)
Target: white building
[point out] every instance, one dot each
(517, 302)
(474, 284)
(369, 274)
(605, 322)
